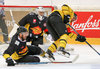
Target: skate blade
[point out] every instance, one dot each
(51, 59)
(72, 57)
(65, 55)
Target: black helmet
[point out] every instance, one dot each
(21, 29)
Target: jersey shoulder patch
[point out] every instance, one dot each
(17, 43)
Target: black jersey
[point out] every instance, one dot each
(17, 48)
(36, 26)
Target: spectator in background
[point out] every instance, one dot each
(2, 22)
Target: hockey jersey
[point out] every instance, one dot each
(33, 24)
(17, 48)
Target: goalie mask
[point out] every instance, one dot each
(40, 11)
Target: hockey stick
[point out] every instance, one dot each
(12, 16)
(85, 41)
(13, 31)
(76, 56)
(36, 63)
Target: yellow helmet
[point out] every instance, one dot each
(65, 9)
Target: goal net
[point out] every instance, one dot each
(16, 13)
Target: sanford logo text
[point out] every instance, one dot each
(88, 25)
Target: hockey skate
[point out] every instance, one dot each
(69, 49)
(63, 52)
(49, 55)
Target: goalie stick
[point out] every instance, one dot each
(85, 41)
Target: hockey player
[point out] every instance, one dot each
(36, 24)
(56, 25)
(19, 51)
(3, 26)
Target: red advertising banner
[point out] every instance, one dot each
(88, 24)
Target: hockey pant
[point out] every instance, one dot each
(33, 50)
(58, 31)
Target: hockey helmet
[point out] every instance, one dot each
(21, 29)
(41, 9)
(65, 9)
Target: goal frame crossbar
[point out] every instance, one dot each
(14, 6)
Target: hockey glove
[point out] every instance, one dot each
(10, 62)
(80, 38)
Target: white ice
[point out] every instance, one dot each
(88, 59)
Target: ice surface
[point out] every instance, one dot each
(88, 59)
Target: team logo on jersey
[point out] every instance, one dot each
(36, 30)
(34, 20)
(44, 24)
(17, 43)
(22, 47)
(66, 31)
(23, 51)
